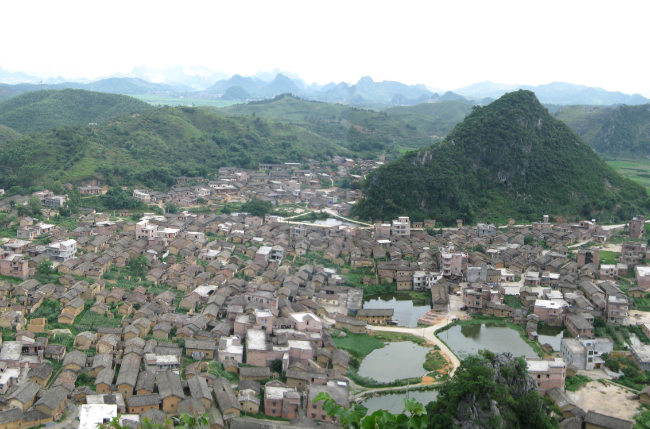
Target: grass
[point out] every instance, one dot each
(398, 336)
(607, 257)
(575, 383)
(512, 301)
(434, 361)
(360, 345)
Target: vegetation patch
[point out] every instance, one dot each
(576, 382)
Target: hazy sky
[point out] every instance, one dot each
(445, 44)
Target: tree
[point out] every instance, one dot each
(257, 207)
(276, 366)
(171, 208)
(35, 206)
(44, 267)
(529, 240)
(138, 266)
(354, 417)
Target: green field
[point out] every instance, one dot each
(636, 169)
(176, 101)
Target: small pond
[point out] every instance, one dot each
(550, 335)
(394, 402)
(407, 309)
(465, 340)
(332, 221)
(394, 361)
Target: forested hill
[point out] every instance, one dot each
(7, 134)
(613, 130)
(41, 110)
(366, 132)
(508, 159)
(154, 146)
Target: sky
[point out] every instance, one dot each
(442, 44)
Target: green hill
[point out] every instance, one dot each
(154, 146)
(8, 135)
(41, 110)
(235, 93)
(435, 119)
(365, 132)
(508, 159)
(623, 130)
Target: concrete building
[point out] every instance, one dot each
(402, 226)
(548, 373)
(636, 226)
(616, 309)
(632, 253)
(338, 390)
(62, 251)
(486, 230)
(642, 275)
(382, 230)
(550, 312)
(585, 353)
(641, 355)
(588, 256)
(451, 262)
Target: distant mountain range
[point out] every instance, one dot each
(555, 93)
(203, 83)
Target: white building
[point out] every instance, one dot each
(62, 251)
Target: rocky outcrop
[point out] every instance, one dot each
(485, 412)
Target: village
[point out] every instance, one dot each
(145, 314)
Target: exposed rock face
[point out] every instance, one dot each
(483, 413)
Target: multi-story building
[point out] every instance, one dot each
(548, 373)
(585, 353)
(636, 226)
(338, 390)
(616, 309)
(62, 251)
(144, 229)
(141, 195)
(55, 201)
(280, 400)
(402, 226)
(550, 312)
(477, 298)
(544, 224)
(486, 230)
(15, 265)
(588, 256)
(642, 275)
(451, 262)
(382, 230)
(632, 253)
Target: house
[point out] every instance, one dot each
(41, 374)
(547, 373)
(24, 396)
(206, 347)
(594, 420)
(585, 353)
(280, 400)
(170, 391)
(140, 404)
(128, 375)
(376, 316)
(54, 403)
(338, 390)
(61, 251)
(579, 326)
(226, 399)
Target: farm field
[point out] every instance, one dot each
(175, 101)
(636, 169)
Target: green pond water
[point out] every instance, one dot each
(465, 340)
(394, 402)
(407, 309)
(550, 335)
(395, 361)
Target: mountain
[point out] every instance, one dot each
(508, 159)
(154, 146)
(235, 93)
(435, 119)
(365, 132)
(41, 110)
(8, 135)
(367, 91)
(16, 77)
(280, 85)
(195, 77)
(128, 86)
(621, 130)
(248, 84)
(555, 93)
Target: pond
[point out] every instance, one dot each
(332, 221)
(395, 361)
(407, 309)
(394, 402)
(550, 335)
(465, 340)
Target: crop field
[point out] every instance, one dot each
(175, 101)
(636, 169)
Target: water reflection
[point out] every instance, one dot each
(407, 309)
(395, 361)
(465, 340)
